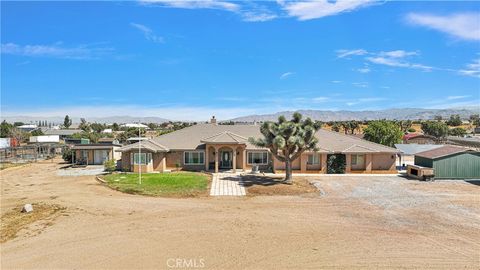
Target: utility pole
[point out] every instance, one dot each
(140, 156)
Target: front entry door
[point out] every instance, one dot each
(226, 160)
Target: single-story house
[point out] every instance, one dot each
(451, 162)
(418, 138)
(95, 153)
(63, 133)
(212, 147)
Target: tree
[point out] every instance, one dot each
(84, 125)
(17, 124)
(115, 127)
(438, 118)
(287, 140)
(475, 119)
(67, 122)
(336, 127)
(36, 132)
(383, 132)
(96, 127)
(405, 125)
(454, 120)
(458, 131)
(5, 129)
(438, 130)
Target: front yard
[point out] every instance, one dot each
(180, 184)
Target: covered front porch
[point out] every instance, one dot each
(225, 151)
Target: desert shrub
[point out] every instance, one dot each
(411, 130)
(110, 165)
(67, 155)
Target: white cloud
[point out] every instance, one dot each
(336, 81)
(193, 4)
(250, 16)
(364, 70)
(286, 75)
(456, 97)
(148, 33)
(398, 54)
(472, 69)
(461, 25)
(80, 52)
(346, 53)
(360, 84)
(307, 10)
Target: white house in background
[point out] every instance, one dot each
(134, 125)
(28, 127)
(45, 139)
(107, 130)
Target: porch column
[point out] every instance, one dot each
(216, 159)
(206, 158)
(303, 162)
(244, 159)
(348, 167)
(368, 162)
(323, 162)
(234, 165)
(163, 162)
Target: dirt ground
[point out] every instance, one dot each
(355, 222)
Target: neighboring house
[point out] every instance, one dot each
(44, 139)
(471, 142)
(71, 141)
(108, 141)
(212, 147)
(134, 125)
(63, 133)
(136, 139)
(28, 128)
(108, 130)
(408, 151)
(95, 153)
(418, 138)
(451, 162)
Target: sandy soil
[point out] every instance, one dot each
(358, 222)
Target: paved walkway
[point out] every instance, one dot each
(225, 184)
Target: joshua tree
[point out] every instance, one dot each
(287, 140)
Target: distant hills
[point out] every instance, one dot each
(398, 114)
(76, 120)
(390, 114)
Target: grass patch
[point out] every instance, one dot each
(267, 185)
(181, 184)
(14, 220)
(4, 166)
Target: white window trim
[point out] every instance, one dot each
(248, 152)
(185, 153)
(148, 158)
(315, 155)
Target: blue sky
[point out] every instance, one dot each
(190, 60)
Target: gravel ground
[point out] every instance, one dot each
(82, 171)
(358, 223)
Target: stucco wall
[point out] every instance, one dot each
(383, 162)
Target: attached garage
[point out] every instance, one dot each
(451, 162)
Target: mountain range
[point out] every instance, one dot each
(320, 115)
(390, 114)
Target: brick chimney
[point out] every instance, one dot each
(213, 120)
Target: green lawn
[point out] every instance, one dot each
(180, 184)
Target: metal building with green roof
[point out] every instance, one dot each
(451, 162)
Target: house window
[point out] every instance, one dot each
(357, 159)
(194, 158)
(258, 158)
(142, 158)
(313, 159)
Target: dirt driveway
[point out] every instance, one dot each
(361, 223)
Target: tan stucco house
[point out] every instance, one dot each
(213, 147)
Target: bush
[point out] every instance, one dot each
(336, 163)
(411, 130)
(67, 155)
(110, 165)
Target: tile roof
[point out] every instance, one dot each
(443, 151)
(150, 145)
(194, 137)
(225, 137)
